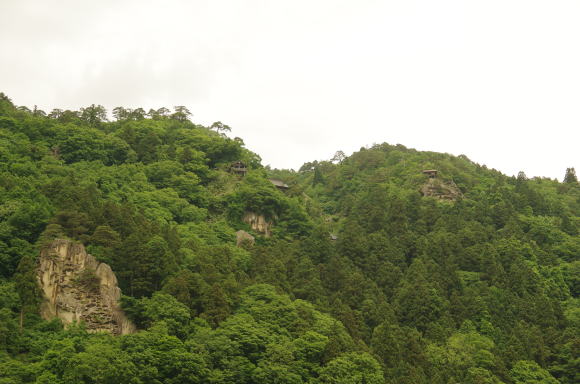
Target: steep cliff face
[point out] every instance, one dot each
(78, 288)
(258, 223)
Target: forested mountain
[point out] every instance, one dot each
(374, 272)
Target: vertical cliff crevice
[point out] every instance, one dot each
(258, 223)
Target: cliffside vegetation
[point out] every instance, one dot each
(363, 280)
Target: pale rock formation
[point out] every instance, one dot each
(61, 264)
(244, 237)
(258, 223)
(441, 190)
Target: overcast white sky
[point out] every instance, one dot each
(496, 80)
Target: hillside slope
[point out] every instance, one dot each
(363, 278)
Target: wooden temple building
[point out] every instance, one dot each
(432, 173)
(239, 168)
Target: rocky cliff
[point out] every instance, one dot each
(258, 223)
(78, 288)
(441, 190)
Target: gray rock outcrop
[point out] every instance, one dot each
(78, 288)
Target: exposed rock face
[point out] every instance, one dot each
(441, 190)
(258, 223)
(79, 288)
(244, 237)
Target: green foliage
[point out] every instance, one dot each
(363, 279)
(529, 372)
(466, 355)
(88, 280)
(570, 176)
(255, 194)
(27, 287)
(9, 304)
(352, 368)
(166, 308)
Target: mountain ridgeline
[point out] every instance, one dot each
(360, 269)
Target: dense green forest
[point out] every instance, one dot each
(363, 280)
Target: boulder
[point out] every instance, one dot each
(244, 237)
